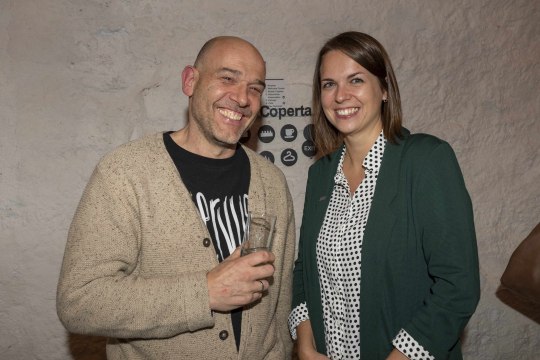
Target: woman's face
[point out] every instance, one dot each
(351, 96)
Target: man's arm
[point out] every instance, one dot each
(100, 291)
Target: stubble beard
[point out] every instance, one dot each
(207, 124)
(210, 132)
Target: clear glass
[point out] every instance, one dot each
(259, 233)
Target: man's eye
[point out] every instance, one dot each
(257, 90)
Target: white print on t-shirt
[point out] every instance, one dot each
(226, 218)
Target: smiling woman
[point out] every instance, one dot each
(351, 97)
(387, 264)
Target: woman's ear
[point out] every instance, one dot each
(190, 75)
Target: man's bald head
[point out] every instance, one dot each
(225, 88)
(224, 41)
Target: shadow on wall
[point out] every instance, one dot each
(84, 347)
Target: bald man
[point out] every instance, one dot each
(152, 258)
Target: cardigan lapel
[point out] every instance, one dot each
(321, 179)
(378, 233)
(257, 190)
(382, 215)
(314, 216)
(162, 159)
(326, 185)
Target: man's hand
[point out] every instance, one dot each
(239, 281)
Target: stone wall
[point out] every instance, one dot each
(80, 77)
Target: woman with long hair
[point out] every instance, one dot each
(387, 265)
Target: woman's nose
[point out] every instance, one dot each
(341, 94)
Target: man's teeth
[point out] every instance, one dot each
(345, 112)
(230, 114)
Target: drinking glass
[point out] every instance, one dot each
(258, 234)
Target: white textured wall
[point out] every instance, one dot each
(79, 77)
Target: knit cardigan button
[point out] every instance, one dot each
(206, 242)
(223, 334)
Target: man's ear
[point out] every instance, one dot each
(190, 75)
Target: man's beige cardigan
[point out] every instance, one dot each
(135, 263)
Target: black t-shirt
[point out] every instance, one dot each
(219, 188)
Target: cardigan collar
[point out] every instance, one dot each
(257, 189)
(391, 163)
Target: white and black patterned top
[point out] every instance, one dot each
(339, 259)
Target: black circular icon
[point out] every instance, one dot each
(308, 148)
(309, 132)
(289, 132)
(289, 157)
(266, 133)
(268, 155)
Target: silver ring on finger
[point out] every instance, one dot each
(262, 285)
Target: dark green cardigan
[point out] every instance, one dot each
(419, 255)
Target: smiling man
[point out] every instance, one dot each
(152, 258)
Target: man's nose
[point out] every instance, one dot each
(240, 95)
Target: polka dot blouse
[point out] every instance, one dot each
(339, 259)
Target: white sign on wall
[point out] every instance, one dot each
(284, 132)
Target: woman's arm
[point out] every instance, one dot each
(396, 355)
(443, 212)
(306, 342)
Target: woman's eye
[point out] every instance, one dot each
(327, 85)
(357, 81)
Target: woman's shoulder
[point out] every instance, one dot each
(423, 141)
(420, 145)
(424, 150)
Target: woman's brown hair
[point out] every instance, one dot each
(371, 55)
